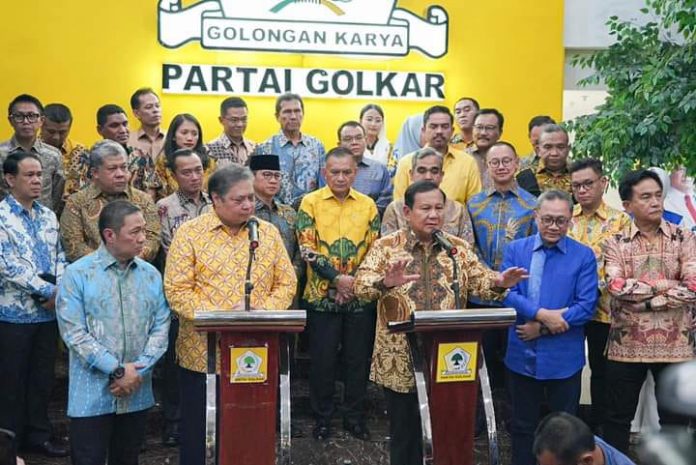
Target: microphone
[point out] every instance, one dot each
(440, 238)
(253, 227)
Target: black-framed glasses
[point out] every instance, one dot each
(19, 117)
(269, 175)
(506, 162)
(485, 128)
(585, 185)
(560, 221)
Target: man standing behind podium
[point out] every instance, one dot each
(408, 271)
(205, 271)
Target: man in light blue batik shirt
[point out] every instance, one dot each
(114, 319)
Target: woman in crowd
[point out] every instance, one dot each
(378, 146)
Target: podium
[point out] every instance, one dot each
(254, 368)
(448, 361)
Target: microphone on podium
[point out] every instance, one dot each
(253, 227)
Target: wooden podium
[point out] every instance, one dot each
(254, 363)
(447, 363)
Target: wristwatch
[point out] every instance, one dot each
(118, 373)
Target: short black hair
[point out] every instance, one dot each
(339, 152)
(231, 102)
(170, 145)
(107, 110)
(11, 163)
(421, 187)
(471, 99)
(492, 111)
(539, 120)
(349, 124)
(135, 98)
(287, 97)
(502, 143)
(171, 159)
(25, 98)
(437, 109)
(563, 435)
(633, 178)
(113, 215)
(58, 113)
(584, 163)
(371, 106)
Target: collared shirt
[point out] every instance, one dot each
(456, 220)
(76, 164)
(52, 178)
(225, 151)
(662, 272)
(458, 143)
(30, 247)
(79, 221)
(374, 181)
(460, 182)
(166, 183)
(109, 316)
(531, 160)
(340, 233)
(569, 280)
(284, 218)
(141, 141)
(498, 219)
(486, 181)
(612, 456)
(143, 170)
(593, 230)
(300, 164)
(177, 209)
(539, 179)
(206, 269)
(391, 361)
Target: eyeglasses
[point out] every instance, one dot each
(348, 140)
(488, 128)
(506, 162)
(269, 175)
(585, 185)
(559, 221)
(19, 117)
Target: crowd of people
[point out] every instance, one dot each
(114, 247)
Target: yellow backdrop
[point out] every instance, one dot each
(506, 53)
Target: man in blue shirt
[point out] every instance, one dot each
(563, 439)
(31, 263)
(114, 319)
(546, 350)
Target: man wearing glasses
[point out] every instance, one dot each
(232, 146)
(552, 172)
(26, 116)
(546, 347)
(488, 127)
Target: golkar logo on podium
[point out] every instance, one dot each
(362, 27)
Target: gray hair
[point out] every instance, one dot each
(105, 148)
(425, 153)
(555, 194)
(551, 128)
(224, 179)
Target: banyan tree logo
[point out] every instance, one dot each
(362, 27)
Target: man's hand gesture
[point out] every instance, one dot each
(396, 275)
(511, 276)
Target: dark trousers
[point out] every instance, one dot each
(526, 397)
(170, 389)
(624, 382)
(596, 334)
(405, 440)
(27, 370)
(352, 333)
(192, 430)
(119, 437)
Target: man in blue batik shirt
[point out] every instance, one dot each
(546, 349)
(114, 319)
(31, 262)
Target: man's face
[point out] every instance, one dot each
(464, 114)
(646, 203)
(588, 187)
(502, 164)
(55, 134)
(186, 135)
(552, 219)
(437, 131)
(26, 184)
(353, 139)
(188, 173)
(26, 119)
(339, 174)
(554, 150)
(115, 128)
(428, 169)
(267, 182)
(486, 131)
(427, 214)
(237, 206)
(534, 137)
(129, 241)
(149, 113)
(234, 122)
(112, 176)
(290, 115)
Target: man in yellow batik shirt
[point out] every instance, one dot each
(593, 223)
(205, 271)
(336, 225)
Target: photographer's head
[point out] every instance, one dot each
(562, 439)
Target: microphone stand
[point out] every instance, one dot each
(248, 285)
(456, 288)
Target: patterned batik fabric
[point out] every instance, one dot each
(456, 220)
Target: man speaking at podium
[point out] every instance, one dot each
(411, 270)
(205, 271)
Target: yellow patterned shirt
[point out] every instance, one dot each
(593, 231)
(340, 233)
(391, 362)
(205, 271)
(549, 180)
